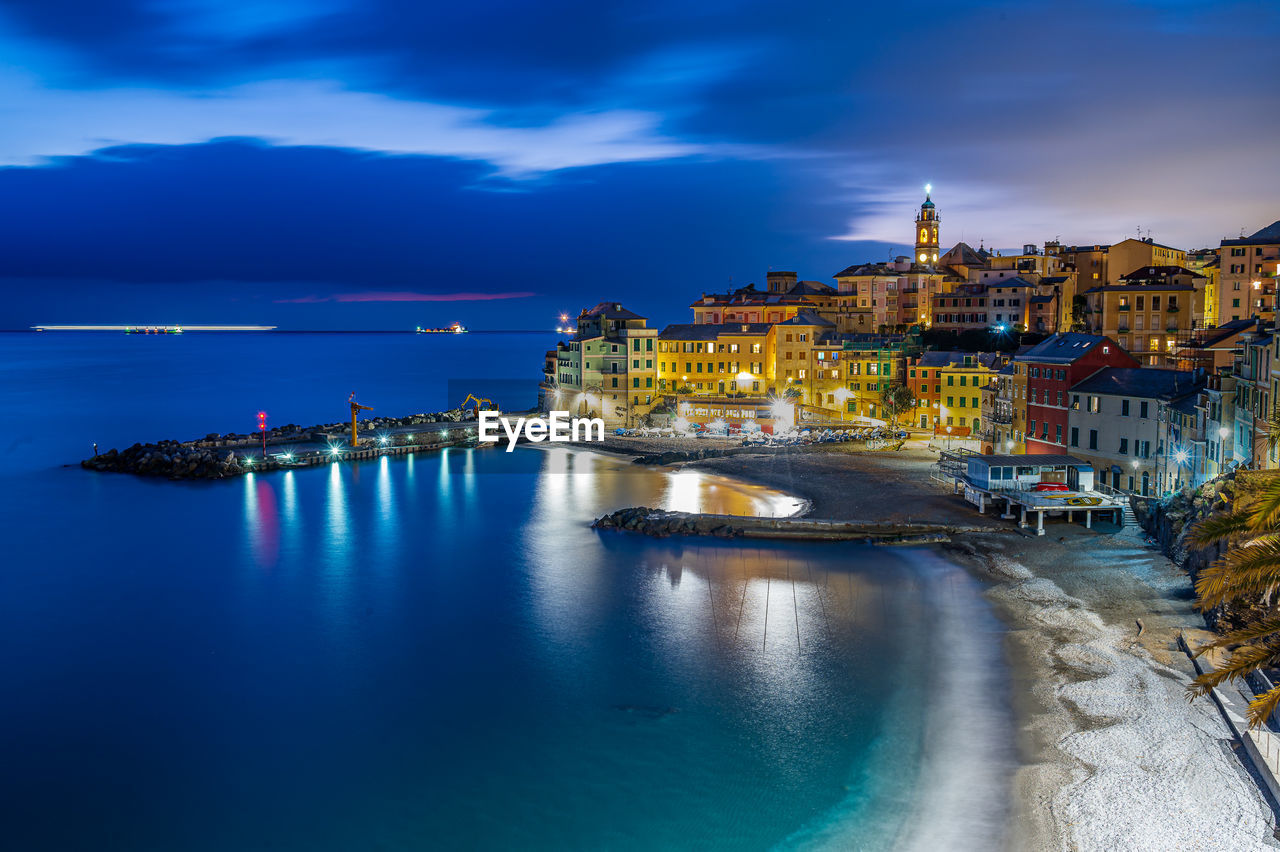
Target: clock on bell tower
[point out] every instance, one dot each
(927, 230)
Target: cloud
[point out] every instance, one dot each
(43, 123)
(405, 296)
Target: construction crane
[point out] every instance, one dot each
(481, 404)
(356, 408)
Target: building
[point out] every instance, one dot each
(1012, 304)
(608, 369)
(1049, 370)
(947, 389)
(1151, 312)
(895, 294)
(1116, 422)
(998, 427)
(710, 358)
(785, 297)
(1246, 266)
(1216, 402)
(1090, 263)
(1206, 262)
(1255, 393)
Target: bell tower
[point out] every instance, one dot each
(927, 230)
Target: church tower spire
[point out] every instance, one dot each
(927, 229)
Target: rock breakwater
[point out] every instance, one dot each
(661, 523)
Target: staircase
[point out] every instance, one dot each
(1130, 519)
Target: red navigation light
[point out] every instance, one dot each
(262, 420)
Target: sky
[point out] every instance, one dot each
(382, 164)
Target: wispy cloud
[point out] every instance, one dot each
(404, 296)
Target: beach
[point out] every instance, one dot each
(1113, 755)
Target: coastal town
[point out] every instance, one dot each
(1155, 364)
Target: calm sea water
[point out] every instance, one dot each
(436, 651)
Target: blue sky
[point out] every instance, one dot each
(382, 164)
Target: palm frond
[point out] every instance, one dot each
(1241, 573)
(1266, 628)
(1243, 661)
(1266, 514)
(1261, 707)
(1220, 527)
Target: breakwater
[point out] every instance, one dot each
(217, 456)
(661, 523)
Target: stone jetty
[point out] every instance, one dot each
(661, 523)
(217, 456)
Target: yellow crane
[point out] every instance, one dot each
(481, 404)
(356, 408)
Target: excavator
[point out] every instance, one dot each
(356, 408)
(481, 404)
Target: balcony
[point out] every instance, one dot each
(1122, 307)
(1124, 329)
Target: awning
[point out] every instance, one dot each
(1115, 468)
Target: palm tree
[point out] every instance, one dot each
(1248, 573)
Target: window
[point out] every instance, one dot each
(1124, 446)
(1095, 404)
(1075, 436)
(1031, 427)
(1075, 402)
(1142, 408)
(1124, 408)
(1057, 434)
(1093, 439)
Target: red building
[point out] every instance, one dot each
(1047, 372)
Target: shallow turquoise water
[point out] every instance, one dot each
(436, 651)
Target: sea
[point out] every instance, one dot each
(437, 651)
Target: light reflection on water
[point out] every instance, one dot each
(439, 646)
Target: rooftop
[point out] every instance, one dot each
(611, 310)
(1149, 382)
(1063, 348)
(1269, 234)
(1150, 273)
(711, 330)
(946, 359)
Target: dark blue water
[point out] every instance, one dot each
(436, 651)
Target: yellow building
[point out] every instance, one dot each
(1132, 254)
(1206, 262)
(1151, 314)
(708, 358)
(830, 375)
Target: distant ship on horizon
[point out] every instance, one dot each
(456, 328)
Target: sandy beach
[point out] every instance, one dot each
(1113, 755)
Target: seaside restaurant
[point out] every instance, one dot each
(1054, 485)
